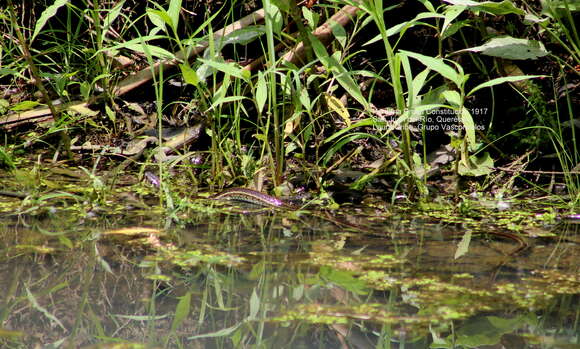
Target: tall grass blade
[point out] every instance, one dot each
(338, 71)
(46, 15)
(501, 80)
(112, 16)
(438, 65)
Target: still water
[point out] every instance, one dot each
(244, 277)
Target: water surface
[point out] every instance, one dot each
(223, 277)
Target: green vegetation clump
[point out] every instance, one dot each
(415, 99)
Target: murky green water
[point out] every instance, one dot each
(249, 278)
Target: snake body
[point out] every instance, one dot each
(258, 198)
(261, 199)
(250, 196)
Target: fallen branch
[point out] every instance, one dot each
(323, 33)
(295, 56)
(129, 83)
(147, 74)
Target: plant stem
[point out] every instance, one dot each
(278, 157)
(99, 41)
(64, 137)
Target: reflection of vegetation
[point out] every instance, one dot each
(343, 110)
(243, 281)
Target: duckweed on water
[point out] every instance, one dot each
(271, 269)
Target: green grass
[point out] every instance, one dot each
(263, 123)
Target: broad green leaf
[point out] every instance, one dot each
(204, 70)
(189, 74)
(157, 22)
(411, 93)
(311, 17)
(436, 64)
(46, 15)
(225, 100)
(433, 96)
(305, 99)
(181, 311)
(451, 13)
(138, 43)
(222, 91)
(402, 27)
(112, 15)
(24, 105)
(452, 97)
(478, 166)
(154, 51)
(530, 18)
(467, 121)
(273, 12)
(339, 72)
(336, 106)
(501, 80)
(105, 265)
(339, 33)
(496, 8)
(243, 36)
(85, 89)
(254, 305)
(261, 92)
(362, 123)
(283, 5)
(173, 11)
(428, 5)
(419, 81)
(231, 68)
(508, 47)
(454, 28)
(58, 195)
(66, 241)
(258, 269)
(509, 324)
(160, 18)
(336, 55)
(463, 246)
